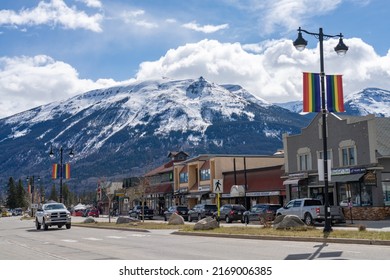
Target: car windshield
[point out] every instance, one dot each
(210, 207)
(183, 208)
(54, 206)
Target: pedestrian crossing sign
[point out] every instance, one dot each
(218, 186)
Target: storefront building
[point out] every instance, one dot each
(194, 178)
(358, 158)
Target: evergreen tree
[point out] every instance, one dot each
(21, 196)
(53, 193)
(11, 194)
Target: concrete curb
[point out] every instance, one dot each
(287, 238)
(114, 228)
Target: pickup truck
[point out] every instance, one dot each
(52, 214)
(311, 210)
(140, 212)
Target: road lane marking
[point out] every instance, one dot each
(93, 239)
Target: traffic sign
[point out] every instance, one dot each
(218, 186)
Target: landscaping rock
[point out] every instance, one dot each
(175, 219)
(89, 220)
(288, 222)
(124, 220)
(206, 224)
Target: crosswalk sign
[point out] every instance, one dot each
(218, 186)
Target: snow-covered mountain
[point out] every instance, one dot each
(120, 131)
(368, 101)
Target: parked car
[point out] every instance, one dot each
(178, 209)
(261, 212)
(139, 212)
(201, 211)
(311, 210)
(93, 213)
(231, 212)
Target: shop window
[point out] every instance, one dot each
(184, 177)
(386, 193)
(205, 174)
(356, 193)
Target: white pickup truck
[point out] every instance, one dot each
(311, 210)
(52, 214)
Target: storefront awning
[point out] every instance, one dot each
(291, 182)
(197, 194)
(346, 178)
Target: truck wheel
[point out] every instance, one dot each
(59, 226)
(199, 217)
(37, 224)
(308, 219)
(44, 225)
(189, 218)
(228, 220)
(246, 219)
(68, 226)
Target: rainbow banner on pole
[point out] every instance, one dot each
(311, 92)
(55, 171)
(67, 171)
(334, 93)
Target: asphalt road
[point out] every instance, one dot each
(19, 240)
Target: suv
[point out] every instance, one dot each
(261, 213)
(231, 212)
(201, 211)
(52, 214)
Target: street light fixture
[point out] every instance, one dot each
(51, 154)
(341, 49)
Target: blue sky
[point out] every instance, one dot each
(53, 49)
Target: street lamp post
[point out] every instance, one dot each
(71, 154)
(300, 44)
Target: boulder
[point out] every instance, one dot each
(123, 220)
(89, 220)
(175, 219)
(288, 222)
(206, 224)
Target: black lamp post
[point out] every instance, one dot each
(32, 180)
(71, 154)
(341, 49)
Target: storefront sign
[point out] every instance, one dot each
(347, 171)
(370, 179)
(252, 194)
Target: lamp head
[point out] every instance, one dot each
(71, 154)
(300, 43)
(341, 49)
(51, 154)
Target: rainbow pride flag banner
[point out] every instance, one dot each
(67, 171)
(56, 171)
(334, 93)
(311, 92)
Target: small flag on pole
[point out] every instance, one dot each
(55, 171)
(311, 92)
(67, 171)
(334, 93)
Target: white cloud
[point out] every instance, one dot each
(27, 82)
(92, 3)
(133, 17)
(205, 28)
(273, 69)
(55, 12)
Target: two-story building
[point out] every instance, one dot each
(159, 192)
(359, 158)
(245, 178)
